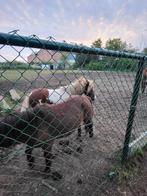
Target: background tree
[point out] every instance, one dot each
(99, 62)
(130, 48)
(82, 59)
(145, 51)
(116, 44)
(97, 43)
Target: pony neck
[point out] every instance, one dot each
(74, 89)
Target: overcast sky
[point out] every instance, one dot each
(80, 21)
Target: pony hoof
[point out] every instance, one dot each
(64, 143)
(79, 150)
(54, 156)
(79, 139)
(56, 176)
(31, 165)
(67, 151)
(91, 135)
(79, 181)
(47, 170)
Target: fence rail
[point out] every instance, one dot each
(34, 42)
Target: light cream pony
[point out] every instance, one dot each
(44, 95)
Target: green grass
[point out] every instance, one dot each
(130, 168)
(22, 74)
(29, 74)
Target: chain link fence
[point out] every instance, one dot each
(119, 121)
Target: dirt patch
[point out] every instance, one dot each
(130, 184)
(84, 172)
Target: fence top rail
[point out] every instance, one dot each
(34, 42)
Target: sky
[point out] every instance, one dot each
(77, 21)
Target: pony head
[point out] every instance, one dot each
(85, 86)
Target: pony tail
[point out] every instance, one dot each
(16, 127)
(25, 104)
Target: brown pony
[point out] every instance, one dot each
(41, 125)
(39, 95)
(144, 80)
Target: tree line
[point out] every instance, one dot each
(99, 62)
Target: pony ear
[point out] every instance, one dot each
(91, 83)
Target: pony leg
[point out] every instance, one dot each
(48, 156)
(48, 159)
(89, 127)
(143, 85)
(79, 132)
(30, 158)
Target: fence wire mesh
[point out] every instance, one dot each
(54, 70)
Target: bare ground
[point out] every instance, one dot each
(84, 172)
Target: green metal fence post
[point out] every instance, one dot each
(132, 110)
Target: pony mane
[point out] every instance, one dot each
(80, 84)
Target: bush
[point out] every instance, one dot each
(6, 65)
(113, 64)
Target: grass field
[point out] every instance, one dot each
(22, 74)
(28, 74)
